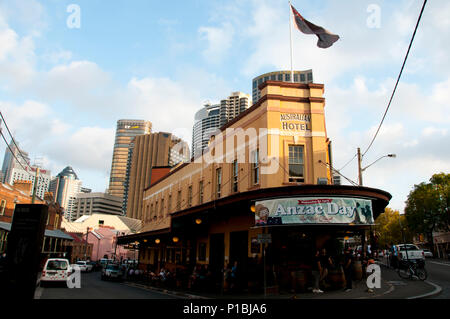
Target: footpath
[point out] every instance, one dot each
(392, 287)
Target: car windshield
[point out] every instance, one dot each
(81, 263)
(112, 267)
(57, 265)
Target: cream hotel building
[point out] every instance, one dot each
(268, 172)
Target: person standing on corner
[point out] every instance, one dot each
(316, 271)
(348, 269)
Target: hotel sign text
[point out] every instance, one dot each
(295, 122)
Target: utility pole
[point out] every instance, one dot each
(36, 179)
(86, 244)
(359, 168)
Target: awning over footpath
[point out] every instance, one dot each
(239, 204)
(48, 233)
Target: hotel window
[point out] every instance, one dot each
(302, 78)
(151, 212)
(273, 77)
(179, 200)
(310, 77)
(200, 192)
(296, 163)
(295, 77)
(235, 174)
(280, 77)
(155, 215)
(161, 212)
(255, 167)
(288, 78)
(190, 196)
(2, 207)
(169, 204)
(218, 182)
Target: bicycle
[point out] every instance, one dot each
(408, 269)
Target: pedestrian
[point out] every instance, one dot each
(325, 263)
(348, 269)
(316, 271)
(234, 276)
(131, 274)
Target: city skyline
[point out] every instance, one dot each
(62, 118)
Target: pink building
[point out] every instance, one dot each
(103, 240)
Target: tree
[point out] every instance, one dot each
(391, 227)
(427, 206)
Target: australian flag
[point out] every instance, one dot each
(326, 38)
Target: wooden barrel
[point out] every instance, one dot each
(336, 278)
(298, 280)
(357, 270)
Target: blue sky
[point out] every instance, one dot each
(62, 90)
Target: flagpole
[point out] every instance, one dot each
(290, 40)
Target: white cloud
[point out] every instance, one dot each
(219, 41)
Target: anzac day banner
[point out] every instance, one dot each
(313, 210)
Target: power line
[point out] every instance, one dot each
(12, 151)
(336, 171)
(12, 138)
(399, 76)
(40, 178)
(348, 162)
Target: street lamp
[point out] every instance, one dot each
(361, 170)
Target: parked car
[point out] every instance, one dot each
(410, 251)
(112, 272)
(84, 266)
(55, 270)
(427, 253)
(104, 262)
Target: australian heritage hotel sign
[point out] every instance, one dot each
(295, 122)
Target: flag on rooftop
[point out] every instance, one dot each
(326, 38)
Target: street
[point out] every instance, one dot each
(439, 273)
(94, 288)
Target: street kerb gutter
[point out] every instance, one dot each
(164, 291)
(437, 290)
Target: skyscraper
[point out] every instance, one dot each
(283, 76)
(212, 116)
(65, 188)
(125, 132)
(19, 169)
(150, 151)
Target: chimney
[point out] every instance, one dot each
(24, 186)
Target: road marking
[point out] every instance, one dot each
(438, 263)
(437, 290)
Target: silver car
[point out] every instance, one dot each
(427, 253)
(112, 272)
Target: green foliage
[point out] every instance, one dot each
(427, 205)
(391, 227)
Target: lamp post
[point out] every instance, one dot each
(361, 169)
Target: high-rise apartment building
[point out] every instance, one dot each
(283, 76)
(125, 132)
(65, 188)
(14, 170)
(211, 117)
(150, 151)
(96, 203)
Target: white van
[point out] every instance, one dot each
(56, 270)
